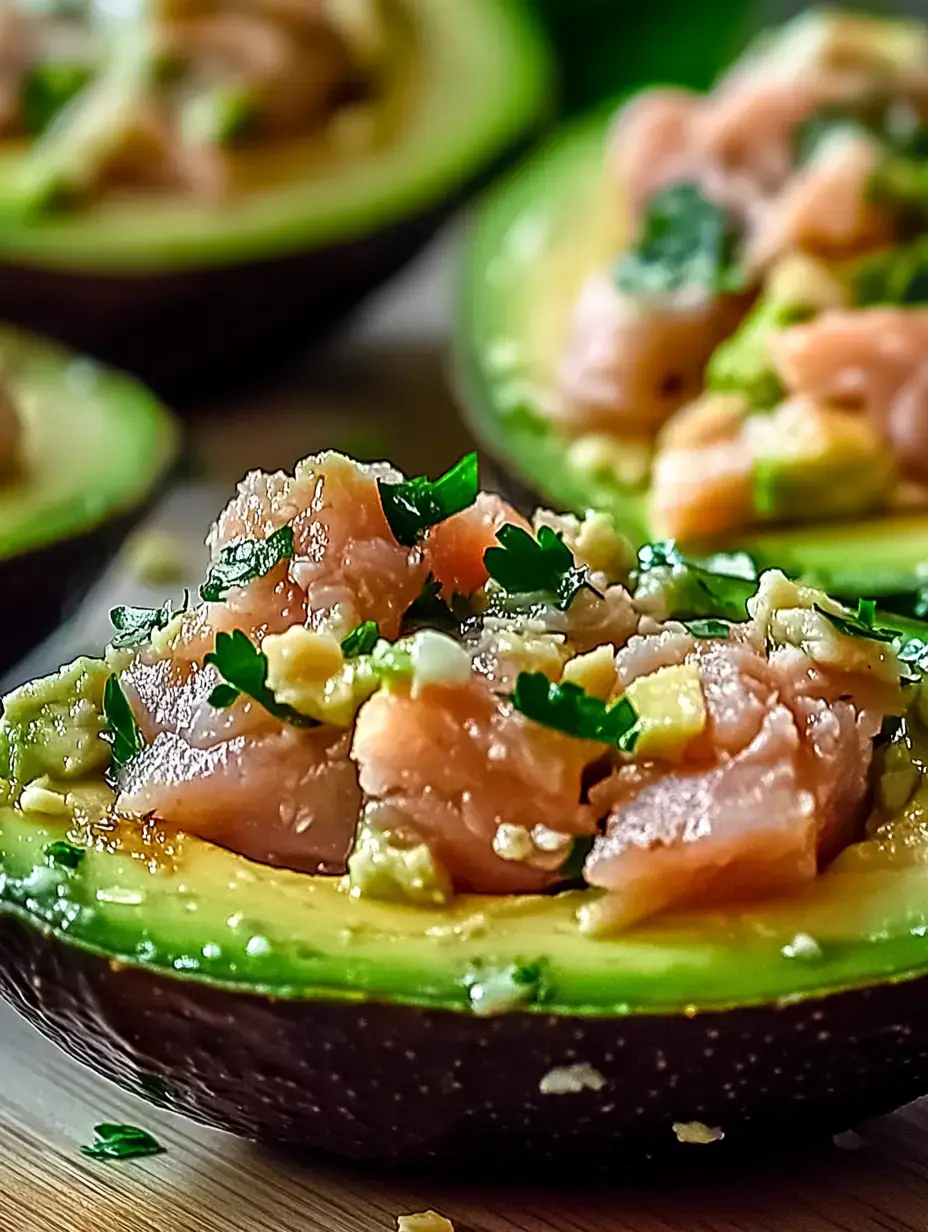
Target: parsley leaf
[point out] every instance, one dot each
(64, 855)
(135, 625)
(526, 565)
(47, 90)
(432, 611)
(897, 276)
(124, 733)
(244, 668)
(860, 625)
(686, 241)
(568, 708)
(362, 640)
(413, 506)
(719, 586)
(580, 848)
(121, 1142)
(242, 562)
(708, 627)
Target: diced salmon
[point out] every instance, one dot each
(458, 763)
(289, 798)
(650, 146)
(454, 549)
(772, 788)
(629, 366)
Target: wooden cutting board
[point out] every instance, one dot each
(381, 391)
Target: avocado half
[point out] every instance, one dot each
(541, 232)
(195, 298)
(278, 1006)
(98, 446)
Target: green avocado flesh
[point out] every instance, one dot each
(551, 224)
(469, 79)
(96, 445)
(178, 906)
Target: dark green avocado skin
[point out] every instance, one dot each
(198, 334)
(41, 588)
(429, 1087)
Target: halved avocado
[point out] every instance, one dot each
(194, 297)
(97, 446)
(549, 225)
(279, 1006)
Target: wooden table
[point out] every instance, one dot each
(379, 390)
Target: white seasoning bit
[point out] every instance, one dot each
(803, 947)
(551, 841)
(571, 1080)
(428, 1221)
(512, 842)
(35, 799)
(438, 659)
(696, 1132)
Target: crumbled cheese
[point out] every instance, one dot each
(571, 1080)
(696, 1132)
(438, 659)
(594, 672)
(803, 947)
(513, 842)
(428, 1221)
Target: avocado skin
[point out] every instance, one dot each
(41, 588)
(193, 335)
(410, 1086)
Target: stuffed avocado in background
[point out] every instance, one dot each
(83, 452)
(706, 315)
(431, 833)
(200, 188)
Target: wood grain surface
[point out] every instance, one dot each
(380, 390)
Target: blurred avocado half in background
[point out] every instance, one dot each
(194, 192)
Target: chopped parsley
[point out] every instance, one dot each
(686, 241)
(568, 708)
(124, 733)
(572, 868)
(242, 562)
(708, 627)
(416, 504)
(362, 640)
(64, 855)
(121, 1142)
(135, 625)
(526, 565)
(897, 276)
(243, 667)
(861, 625)
(432, 611)
(47, 90)
(719, 586)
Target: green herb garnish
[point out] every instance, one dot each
(415, 505)
(64, 855)
(432, 611)
(47, 90)
(686, 241)
(244, 669)
(708, 627)
(243, 562)
(124, 733)
(861, 625)
(717, 587)
(813, 133)
(568, 708)
(362, 640)
(135, 625)
(897, 276)
(580, 848)
(121, 1142)
(526, 565)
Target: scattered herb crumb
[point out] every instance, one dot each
(124, 733)
(415, 505)
(121, 1142)
(571, 1080)
(64, 855)
(361, 640)
(568, 708)
(243, 562)
(696, 1132)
